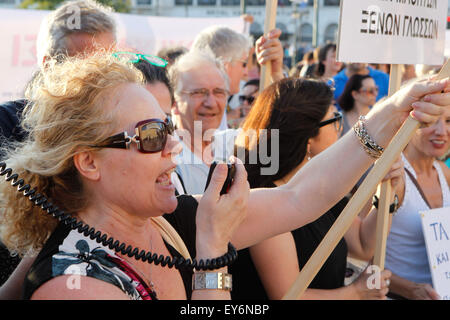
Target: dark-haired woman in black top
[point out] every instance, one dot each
(308, 123)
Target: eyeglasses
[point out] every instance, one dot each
(249, 99)
(135, 57)
(150, 136)
(204, 93)
(336, 120)
(372, 91)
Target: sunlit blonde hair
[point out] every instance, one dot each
(67, 112)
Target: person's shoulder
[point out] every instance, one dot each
(378, 74)
(186, 203)
(10, 115)
(446, 171)
(341, 75)
(186, 209)
(13, 106)
(87, 288)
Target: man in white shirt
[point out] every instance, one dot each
(201, 87)
(201, 90)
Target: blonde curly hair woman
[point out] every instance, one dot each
(100, 148)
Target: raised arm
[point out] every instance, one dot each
(361, 236)
(312, 191)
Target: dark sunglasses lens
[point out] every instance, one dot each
(152, 136)
(245, 98)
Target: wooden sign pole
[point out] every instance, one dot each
(364, 192)
(382, 226)
(345, 219)
(269, 24)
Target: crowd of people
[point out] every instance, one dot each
(122, 142)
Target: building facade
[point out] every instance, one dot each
(290, 16)
(296, 20)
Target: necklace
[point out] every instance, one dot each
(141, 277)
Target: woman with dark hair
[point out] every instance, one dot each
(307, 123)
(248, 94)
(327, 66)
(359, 95)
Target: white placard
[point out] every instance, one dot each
(436, 230)
(392, 32)
(147, 34)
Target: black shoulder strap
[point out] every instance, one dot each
(182, 184)
(418, 187)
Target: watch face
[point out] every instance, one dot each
(211, 282)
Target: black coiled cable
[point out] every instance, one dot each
(177, 262)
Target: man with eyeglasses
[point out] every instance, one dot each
(233, 48)
(202, 86)
(201, 90)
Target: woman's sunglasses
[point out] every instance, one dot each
(135, 57)
(336, 120)
(249, 99)
(372, 91)
(150, 136)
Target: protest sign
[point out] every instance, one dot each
(393, 32)
(145, 34)
(357, 202)
(436, 231)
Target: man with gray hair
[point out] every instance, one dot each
(201, 90)
(75, 28)
(202, 83)
(233, 48)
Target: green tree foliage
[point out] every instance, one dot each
(117, 5)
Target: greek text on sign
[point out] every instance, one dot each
(436, 231)
(392, 31)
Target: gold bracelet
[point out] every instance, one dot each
(370, 146)
(212, 281)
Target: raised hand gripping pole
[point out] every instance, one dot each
(269, 24)
(357, 202)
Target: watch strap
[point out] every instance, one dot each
(392, 208)
(212, 281)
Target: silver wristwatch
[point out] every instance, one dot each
(212, 280)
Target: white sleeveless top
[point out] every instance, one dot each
(406, 253)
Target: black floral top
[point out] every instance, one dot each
(68, 252)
